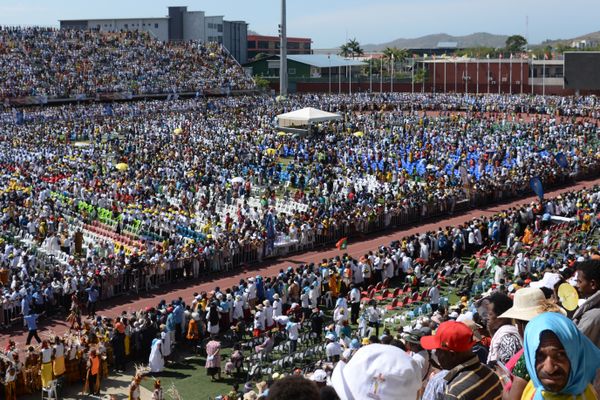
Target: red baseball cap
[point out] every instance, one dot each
(450, 335)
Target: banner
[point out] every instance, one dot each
(536, 185)
(561, 160)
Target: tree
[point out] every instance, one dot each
(515, 43)
(351, 49)
(345, 51)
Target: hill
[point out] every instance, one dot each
(431, 41)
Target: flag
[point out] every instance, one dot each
(487, 56)
(533, 56)
(108, 110)
(342, 243)
(424, 55)
(19, 119)
(561, 160)
(545, 56)
(511, 56)
(500, 56)
(536, 185)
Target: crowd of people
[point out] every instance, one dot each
(328, 303)
(66, 63)
(201, 189)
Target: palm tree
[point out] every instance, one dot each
(351, 49)
(355, 47)
(345, 50)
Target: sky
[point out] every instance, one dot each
(331, 22)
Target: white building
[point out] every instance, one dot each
(179, 25)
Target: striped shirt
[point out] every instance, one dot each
(472, 380)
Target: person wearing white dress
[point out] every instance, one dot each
(156, 361)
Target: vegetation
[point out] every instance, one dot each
(261, 82)
(515, 44)
(351, 49)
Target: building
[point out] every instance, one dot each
(303, 66)
(179, 25)
(270, 45)
(509, 76)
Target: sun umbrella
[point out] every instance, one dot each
(237, 179)
(359, 134)
(281, 133)
(271, 151)
(178, 131)
(121, 166)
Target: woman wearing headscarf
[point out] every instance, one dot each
(561, 361)
(156, 361)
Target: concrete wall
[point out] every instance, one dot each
(212, 28)
(235, 34)
(194, 26)
(157, 27)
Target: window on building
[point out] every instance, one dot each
(278, 45)
(220, 39)
(307, 46)
(126, 26)
(263, 44)
(251, 44)
(156, 26)
(220, 28)
(291, 71)
(293, 45)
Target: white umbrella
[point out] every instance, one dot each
(237, 179)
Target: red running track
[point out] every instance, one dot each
(114, 307)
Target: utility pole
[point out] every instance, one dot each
(283, 82)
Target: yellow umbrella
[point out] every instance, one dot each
(121, 166)
(178, 131)
(281, 133)
(271, 151)
(359, 134)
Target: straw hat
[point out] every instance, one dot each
(526, 304)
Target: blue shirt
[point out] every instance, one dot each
(178, 314)
(31, 321)
(171, 323)
(92, 294)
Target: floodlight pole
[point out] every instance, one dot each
(283, 83)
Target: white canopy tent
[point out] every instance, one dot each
(306, 117)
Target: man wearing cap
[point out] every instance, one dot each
(467, 377)
(333, 350)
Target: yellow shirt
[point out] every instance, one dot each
(588, 394)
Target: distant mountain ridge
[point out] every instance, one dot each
(431, 41)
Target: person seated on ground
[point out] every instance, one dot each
(562, 362)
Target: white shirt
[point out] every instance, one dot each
(292, 329)
(434, 295)
(333, 349)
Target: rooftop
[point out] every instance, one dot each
(324, 60)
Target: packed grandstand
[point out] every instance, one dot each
(104, 201)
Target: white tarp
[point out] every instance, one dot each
(306, 116)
